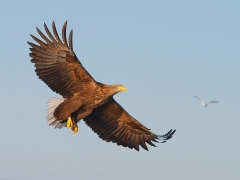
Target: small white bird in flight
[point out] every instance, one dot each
(203, 103)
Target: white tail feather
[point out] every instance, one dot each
(51, 121)
(62, 125)
(52, 105)
(58, 125)
(50, 110)
(50, 116)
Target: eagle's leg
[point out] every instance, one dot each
(73, 119)
(69, 122)
(72, 124)
(75, 128)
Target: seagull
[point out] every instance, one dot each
(203, 103)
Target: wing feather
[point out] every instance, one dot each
(56, 63)
(49, 34)
(43, 36)
(56, 33)
(70, 40)
(113, 124)
(64, 34)
(213, 102)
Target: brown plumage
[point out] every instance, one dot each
(83, 97)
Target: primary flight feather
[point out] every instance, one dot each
(84, 98)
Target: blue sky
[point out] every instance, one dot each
(164, 52)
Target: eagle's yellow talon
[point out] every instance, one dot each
(75, 129)
(69, 122)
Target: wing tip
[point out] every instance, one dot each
(167, 136)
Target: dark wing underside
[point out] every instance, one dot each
(112, 123)
(56, 63)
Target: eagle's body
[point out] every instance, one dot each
(83, 97)
(81, 104)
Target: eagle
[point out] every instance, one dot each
(83, 98)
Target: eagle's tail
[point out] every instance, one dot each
(52, 105)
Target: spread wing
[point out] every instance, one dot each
(112, 123)
(213, 102)
(199, 98)
(56, 63)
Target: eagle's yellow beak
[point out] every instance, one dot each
(122, 88)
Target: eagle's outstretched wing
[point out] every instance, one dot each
(113, 124)
(56, 63)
